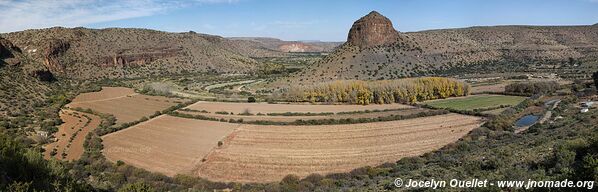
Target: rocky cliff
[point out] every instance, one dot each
(372, 30)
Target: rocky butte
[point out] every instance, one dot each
(372, 30)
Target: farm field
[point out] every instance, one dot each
(476, 102)
(71, 135)
(123, 103)
(492, 88)
(105, 94)
(284, 118)
(259, 153)
(255, 153)
(265, 108)
(165, 144)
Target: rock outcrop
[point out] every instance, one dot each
(52, 52)
(7, 52)
(299, 47)
(138, 59)
(372, 30)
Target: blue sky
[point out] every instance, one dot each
(327, 20)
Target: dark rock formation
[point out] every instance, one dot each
(149, 55)
(52, 52)
(372, 30)
(43, 75)
(7, 53)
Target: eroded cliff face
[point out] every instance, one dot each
(372, 30)
(52, 52)
(149, 55)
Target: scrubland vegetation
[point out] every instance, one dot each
(380, 92)
(530, 88)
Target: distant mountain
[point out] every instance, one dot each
(289, 46)
(375, 50)
(81, 53)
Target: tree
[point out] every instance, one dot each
(23, 169)
(250, 99)
(137, 187)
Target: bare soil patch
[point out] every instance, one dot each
(123, 103)
(166, 144)
(105, 93)
(266, 108)
(295, 118)
(265, 153)
(496, 88)
(71, 135)
(255, 153)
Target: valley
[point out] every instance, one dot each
(114, 108)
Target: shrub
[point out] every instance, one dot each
(531, 88)
(251, 100)
(222, 112)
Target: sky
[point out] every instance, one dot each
(325, 20)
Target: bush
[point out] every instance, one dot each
(251, 100)
(531, 88)
(137, 187)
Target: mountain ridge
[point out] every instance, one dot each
(424, 52)
(82, 53)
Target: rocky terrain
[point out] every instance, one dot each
(288, 46)
(81, 53)
(23, 83)
(375, 50)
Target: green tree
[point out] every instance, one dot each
(136, 187)
(250, 99)
(23, 169)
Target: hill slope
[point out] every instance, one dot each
(278, 45)
(81, 53)
(375, 50)
(20, 90)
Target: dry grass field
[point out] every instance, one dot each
(260, 153)
(123, 103)
(71, 135)
(166, 144)
(266, 108)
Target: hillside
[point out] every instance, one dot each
(81, 53)
(375, 50)
(20, 90)
(278, 45)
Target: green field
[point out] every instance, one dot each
(476, 102)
